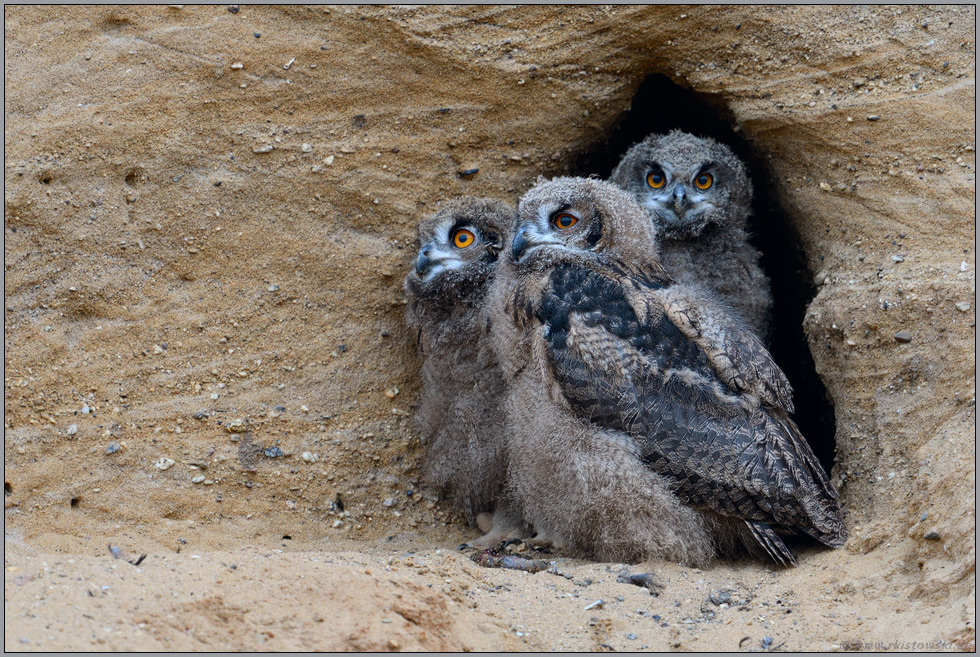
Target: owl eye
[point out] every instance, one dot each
(656, 179)
(564, 220)
(703, 181)
(463, 238)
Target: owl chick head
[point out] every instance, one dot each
(568, 218)
(459, 245)
(686, 183)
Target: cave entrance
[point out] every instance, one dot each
(660, 106)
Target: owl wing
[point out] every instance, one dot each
(736, 355)
(623, 365)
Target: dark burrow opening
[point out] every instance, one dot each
(660, 106)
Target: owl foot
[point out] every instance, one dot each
(499, 527)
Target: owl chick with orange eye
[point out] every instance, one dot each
(699, 197)
(460, 407)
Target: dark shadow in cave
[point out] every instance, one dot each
(660, 106)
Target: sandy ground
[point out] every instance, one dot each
(208, 215)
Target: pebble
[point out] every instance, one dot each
(643, 580)
(273, 452)
(263, 148)
(337, 523)
(631, 636)
(112, 447)
(391, 393)
(309, 457)
(873, 117)
(199, 479)
(236, 426)
(85, 409)
(721, 597)
(233, 9)
(903, 336)
(468, 172)
(390, 501)
(72, 430)
(932, 535)
(328, 160)
(163, 463)
(897, 258)
(307, 148)
(962, 306)
(237, 66)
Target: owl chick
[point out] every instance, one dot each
(462, 389)
(644, 421)
(699, 196)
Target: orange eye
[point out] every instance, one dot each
(463, 238)
(564, 220)
(703, 181)
(656, 179)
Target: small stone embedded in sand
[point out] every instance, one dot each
(391, 393)
(236, 426)
(897, 258)
(199, 479)
(263, 148)
(307, 148)
(721, 597)
(962, 306)
(237, 66)
(932, 535)
(273, 452)
(390, 501)
(112, 447)
(337, 524)
(72, 430)
(903, 336)
(163, 463)
(309, 457)
(328, 160)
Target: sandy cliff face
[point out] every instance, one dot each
(209, 214)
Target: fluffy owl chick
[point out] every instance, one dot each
(699, 197)
(643, 419)
(460, 411)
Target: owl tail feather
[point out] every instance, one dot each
(771, 543)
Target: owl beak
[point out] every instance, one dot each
(423, 262)
(680, 200)
(520, 243)
(431, 261)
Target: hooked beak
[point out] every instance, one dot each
(423, 262)
(680, 200)
(520, 243)
(432, 260)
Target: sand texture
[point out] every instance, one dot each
(208, 217)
